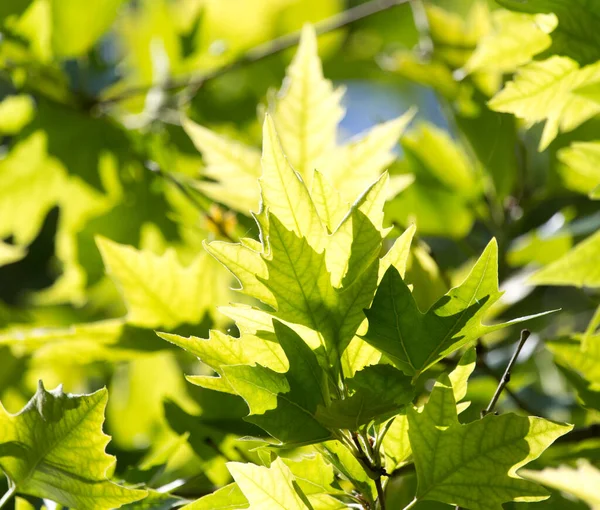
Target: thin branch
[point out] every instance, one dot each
(411, 504)
(190, 196)
(504, 379)
(8, 495)
(380, 494)
(422, 24)
(506, 376)
(262, 51)
(482, 364)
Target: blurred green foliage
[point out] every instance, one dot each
(129, 137)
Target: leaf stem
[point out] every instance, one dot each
(411, 504)
(380, 493)
(9, 494)
(506, 376)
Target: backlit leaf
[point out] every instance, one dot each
(580, 482)
(268, 488)
(545, 90)
(54, 448)
(158, 290)
(414, 340)
(578, 267)
(475, 465)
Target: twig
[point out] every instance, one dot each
(380, 494)
(504, 379)
(186, 192)
(263, 50)
(481, 363)
(506, 376)
(411, 504)
(422, 24)
(8, 495)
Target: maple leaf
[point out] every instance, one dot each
(54, 448)
(475, 465)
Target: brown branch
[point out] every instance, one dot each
(261, 51)
(506, 376)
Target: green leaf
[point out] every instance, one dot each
(578, 267)
(284, 405)
(515, 39)
(158, 290)
(220, 350)
(475, 465)
(396, 443)
(234, 166)
(361, 160)
(459, 377)
(454, 35)
(344, 461)
(32, 183)
(80, 344)
(313, 475)
(581, 354)
(445, 184)
(156, 501)
(415, 341)
(306, 113)
(376, 392)
(10, 253)
(576, 35)
(229, 497)
(77, 26)
(546, 90)
(268, 488)
(582, 166)
(15, 112)
(581, 482)
(284, 192)
(54, 449)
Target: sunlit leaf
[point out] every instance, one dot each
(475, 465)
(545, 90)
(514, 40)
(580, 482)
(54, 448)
(158, 289)
(414, 340)
(576, 35)
(582, 166)
(268, 488)
(578, 267)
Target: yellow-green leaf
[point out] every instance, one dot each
(475, 465)
(54, 449)
(579, 267)
(581, 170)
(158, 290)
(545, 90)
(268, 488)
(513, 41)
(581, 482)
(15, 113)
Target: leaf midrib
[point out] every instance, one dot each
(53, 445)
